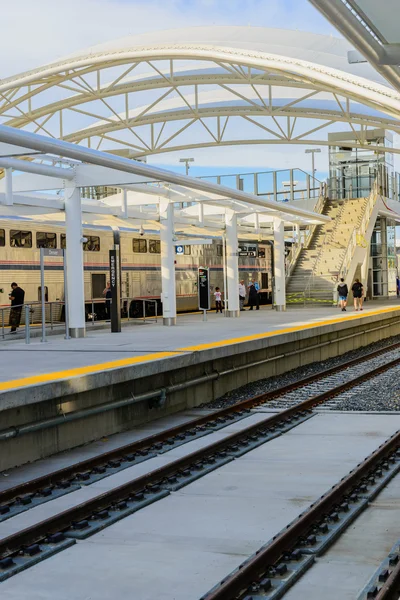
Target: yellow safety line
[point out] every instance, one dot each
(126, 362)
(257, 336)
(89, 369)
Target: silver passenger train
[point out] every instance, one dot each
(20, 243)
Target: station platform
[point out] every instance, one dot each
(108, 382)
(58, 359)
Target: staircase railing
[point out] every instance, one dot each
(359, 232)
(296, 248)
(329, 236)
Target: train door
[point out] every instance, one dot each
(98, 284)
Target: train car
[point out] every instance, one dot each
(21, 240)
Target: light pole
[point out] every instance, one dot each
(312, 151)
(186, 161)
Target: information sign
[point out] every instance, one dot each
(53, 252)
(115, 286)
(204, 289)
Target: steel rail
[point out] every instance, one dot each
(154, 479)
(237, 584)
(391, 588)
(145, 445)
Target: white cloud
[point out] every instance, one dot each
(40, 31)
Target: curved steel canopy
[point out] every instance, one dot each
(149, 95)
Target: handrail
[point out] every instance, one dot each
(329, 236)
(53, 319)
(293, 255)
(359, 231)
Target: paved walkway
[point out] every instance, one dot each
(22, 365)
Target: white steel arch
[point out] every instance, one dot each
(138, 99)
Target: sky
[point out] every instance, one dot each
(40, 31)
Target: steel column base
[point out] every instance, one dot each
(77, 332)
(232, 313)
(280, 307)
(169, 321)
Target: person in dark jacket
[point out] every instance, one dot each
(358, 292)
(253, 296)
(17, 296)
(343, 292)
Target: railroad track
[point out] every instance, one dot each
(325, 385)
(275, 567)
(24, 548)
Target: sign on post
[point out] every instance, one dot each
(203, 289)
(53, 252)
(58, 252)
(115, 285)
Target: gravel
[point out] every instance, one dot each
(380, 394)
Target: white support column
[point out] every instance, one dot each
(232, 265)
(279, 264)
(8, 186)
(124, 204)
(168, 285)
(365, 270)
(74, 254)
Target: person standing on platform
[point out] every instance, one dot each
(253, 295)
(358, 292)
(343, 292)
(108, 296)
(218, 300)
(242, 294)
(17, 296)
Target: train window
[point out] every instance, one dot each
(46, 240)
(46, 293)
(92, 244)
(261, 253)
(139, 245)
(187, 249)
(63, 241)
(20, 239)
(2, 237)
(219, 250)
(154, 246)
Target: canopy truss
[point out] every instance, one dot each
(149, 100)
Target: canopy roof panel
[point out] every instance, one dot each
(200, 87)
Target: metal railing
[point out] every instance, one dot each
(31, 313)
(329, 237)
(54, 314)
(306, 236)
(359, 232)
(126, 305)
(282, 185)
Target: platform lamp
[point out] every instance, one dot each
(186, 161)
(312, 151)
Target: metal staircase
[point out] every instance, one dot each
(334, 250)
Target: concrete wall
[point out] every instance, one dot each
(229, 367)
